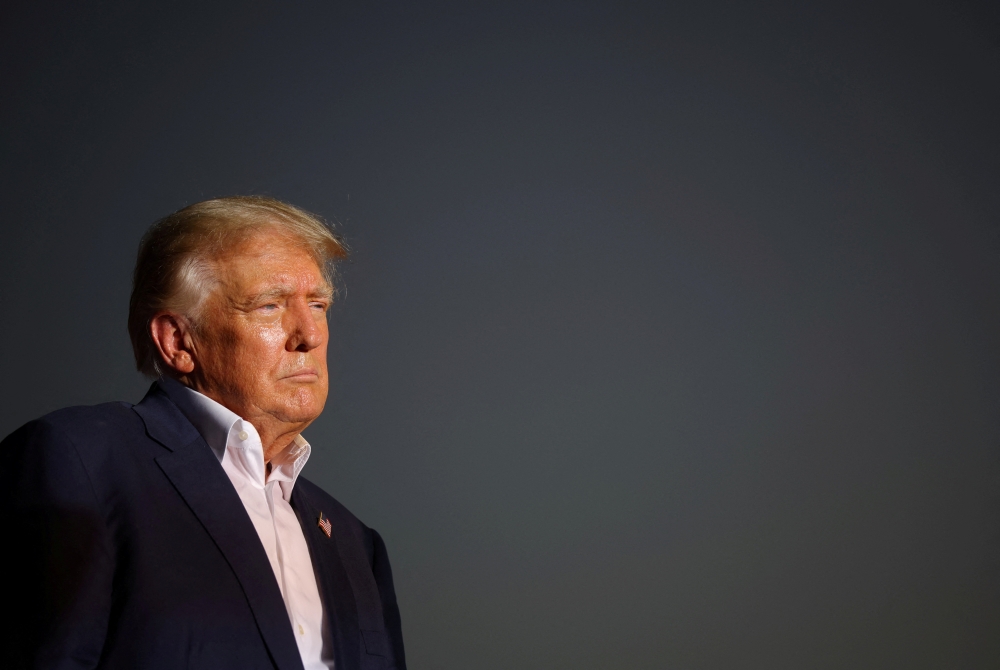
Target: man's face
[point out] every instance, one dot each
(260, 341)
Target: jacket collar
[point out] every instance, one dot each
(198, 476)
(212, 420)
(164, 422)
(342, 562)
(332, 578)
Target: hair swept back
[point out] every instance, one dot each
(173, 269)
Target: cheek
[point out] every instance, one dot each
(266, 340)
(258, 351)
(319, 354)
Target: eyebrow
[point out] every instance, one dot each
(325, 292)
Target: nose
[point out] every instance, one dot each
(306, 328)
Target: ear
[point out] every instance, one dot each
(171, 334)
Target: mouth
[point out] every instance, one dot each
(303, 375)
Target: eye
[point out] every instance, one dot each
(269, 307)
(319, 306)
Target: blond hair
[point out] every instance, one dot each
(174, 270)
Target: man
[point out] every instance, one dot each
(177, 533)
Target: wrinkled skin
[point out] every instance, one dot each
(259, 345)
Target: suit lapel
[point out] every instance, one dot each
(200, 480)
(333, 581)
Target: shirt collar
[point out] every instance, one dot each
(212, 419)
(216, 422)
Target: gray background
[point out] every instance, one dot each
(670, 337)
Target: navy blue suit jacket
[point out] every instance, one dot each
(133, 550)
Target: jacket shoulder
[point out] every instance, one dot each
(82, 417)
(80, 425)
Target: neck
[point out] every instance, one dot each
(274, 441)
(275, 432)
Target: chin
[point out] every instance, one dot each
(304, 407)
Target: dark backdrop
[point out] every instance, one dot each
(670, 338)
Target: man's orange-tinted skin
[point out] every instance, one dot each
(259, 344)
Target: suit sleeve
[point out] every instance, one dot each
(387, 593)
(62, 578)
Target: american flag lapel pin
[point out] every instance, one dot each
(324, 525)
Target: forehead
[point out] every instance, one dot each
(268, 258)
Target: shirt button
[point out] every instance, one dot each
(243, 435)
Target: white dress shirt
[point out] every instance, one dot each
(266, 498)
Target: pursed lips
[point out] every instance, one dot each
(305, 374)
